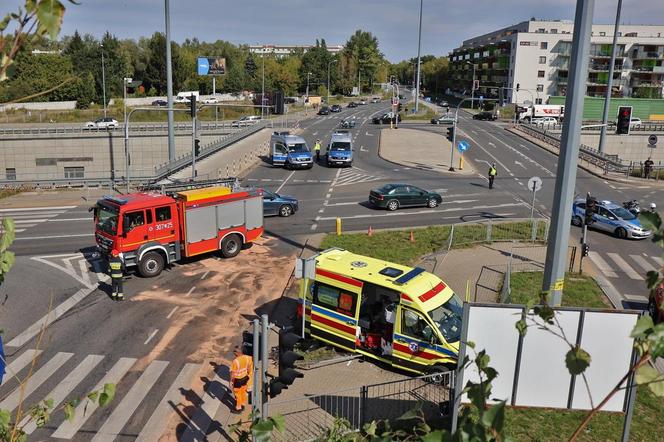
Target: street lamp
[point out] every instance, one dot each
(263, 86)
(329, 63)
(307, 93)
(419, 42)
(103, 77)
(126, 81)
(472, 88)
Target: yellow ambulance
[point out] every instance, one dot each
(402, 316)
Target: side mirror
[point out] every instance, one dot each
(125, 226)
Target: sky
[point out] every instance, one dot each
(445, 23)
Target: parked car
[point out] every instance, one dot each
(362, 102)
(394, 196)
(635, 122)
(487, 116)
(443, 103)
(324, 111)
(247, 120)
(611, 217)
(352, 104)
(160, 103)
(375, 100)
(281, 205)
(443, 119)
(544, 121)
(211, 100)
(385, 118)
(102, 123)
(335, 108)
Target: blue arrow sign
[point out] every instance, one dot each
(463, 146)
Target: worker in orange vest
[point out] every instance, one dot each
(242, 369)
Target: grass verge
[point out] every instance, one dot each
(579, 291)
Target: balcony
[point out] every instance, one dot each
(648, 84)
(649, 55)
(599, 67)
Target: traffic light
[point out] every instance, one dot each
(192, 106)
(585, 249)
(279, 102)
(197, 148)
(450, 133)
(287, 359)
(624, 117)
(518, 85)
(399, 108)
(591, 208)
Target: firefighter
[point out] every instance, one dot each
(242, 369)
(115, 265)
(492, 174)
(317, 150)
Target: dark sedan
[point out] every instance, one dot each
(385, 119)
(324, 111)
(335, 108)
(394, 196)
(488, 116)
(352, 104)
(275, 204)
(160, 103)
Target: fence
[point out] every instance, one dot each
(134, 127)
(309, 417)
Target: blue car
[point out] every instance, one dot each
(611, 217)
(275, 204)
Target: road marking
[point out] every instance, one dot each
(151, 336)
(205, 274)
(50, 317)
(86, 408)
(629, 271)
(524, 146)
(200, 422)
(352, 203)
(155, 426)
(285, 181)
(645, 265)
(126, 408)
(314, 226)
(519, 163)
(321, 210)
(602, 265)
(37, 378)
(26, 221)
(31, 238)
(68, 268)
(36, 209)
(64, 388)
(658, 260)
(172, 311)
(191, 290)
(19, 364)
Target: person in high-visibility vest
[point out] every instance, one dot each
(242, 369)
(317, 149)
(115, 266)
(492, 174)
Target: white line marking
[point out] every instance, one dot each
(83, 265)
(203, 417)
(151, 336)
(645, 265)
(27, 221)
(658, 260)
(205, 274)
(602, 265)
(31, 238)
(19, 364)
(191, 290)
(172, 311)
(314, 226)
(19, 231)
(285, 181)
(36, 209)
(629, 271)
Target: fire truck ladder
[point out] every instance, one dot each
(175, 187)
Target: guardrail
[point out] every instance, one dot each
(137, 127)
(593, 126)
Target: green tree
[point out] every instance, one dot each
(155, 71)
(361, 60)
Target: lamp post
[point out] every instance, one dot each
(103, 77)
(419, 42)
(125, 82)
(169, 83)
(263, 86)
(307, 93)
(329, 63)
(609, 84)
(472, 87)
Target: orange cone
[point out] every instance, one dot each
(412, 238)
(370, 231)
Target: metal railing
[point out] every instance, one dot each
(309, 417)
(594, 126)
(136, 127)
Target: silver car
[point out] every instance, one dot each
(611, 217)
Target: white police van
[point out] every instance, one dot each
(339, 151)
(290, 151)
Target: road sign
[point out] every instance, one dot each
(481, 97)
(535, 184)
(652, 140)
(463, 146)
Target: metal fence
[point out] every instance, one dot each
(134, 127)
(309, 417)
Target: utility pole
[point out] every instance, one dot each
(329, 63)
(308, 74)
(125, 81)
(263, 86)
(103, 78)
(169, 84)
(558, 241)
(472, 89)
(609, 84)
(419, 43)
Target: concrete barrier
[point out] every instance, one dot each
(40, 105)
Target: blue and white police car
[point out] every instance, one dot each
(290, 151)
(611, 217)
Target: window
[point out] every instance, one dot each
(554, 31)
(541, 31)
(540, 74)
(538, 101)
(10, 174)
(414, 325)
(74, 172)
(602, 34)
(134, 219)
(280, 148)
(540, 88)
(335, 299)
(544, 45)
(163, 213)
(149, 215)
(601, 211)
(542, 60)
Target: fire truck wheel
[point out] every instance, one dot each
(151, 264)
(231, 246)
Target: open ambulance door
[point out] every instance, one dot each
(415, 345)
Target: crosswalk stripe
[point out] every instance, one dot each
(629, 271)
(36, 209)
(658, 260)
(124, 410)
(38, 378)
(86, 408)
(204, 414)
(154, 428)
(19, 364)
(64, 388)
(641, 261)
(27, 215)
(602, 265)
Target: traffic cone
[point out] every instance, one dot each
(412, 238)
(370, 231)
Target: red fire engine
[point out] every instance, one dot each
(154, 228)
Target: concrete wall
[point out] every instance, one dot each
(628, 147)
(45, 105)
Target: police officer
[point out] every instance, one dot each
(492, 174)
(317, 150)
(115, 265)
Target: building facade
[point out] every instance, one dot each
(285, 50)
(535, 56)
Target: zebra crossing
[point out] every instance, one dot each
(130, 400)
(25, 218)
(354, 175)
(619, 265)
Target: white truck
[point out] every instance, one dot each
(183, 97)
(541, 111)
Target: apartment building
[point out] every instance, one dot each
(535, 55)
(286, 50)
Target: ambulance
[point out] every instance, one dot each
(399, 315)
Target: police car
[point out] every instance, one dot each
(611, 217)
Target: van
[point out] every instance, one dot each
(402, 316)
(183, 97)
(290, 151)
(339, 151)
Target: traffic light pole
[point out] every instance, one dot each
(583, 243)
(255, 394)
(558, 241)
(456, 117)
(193, 149)
(264, 364)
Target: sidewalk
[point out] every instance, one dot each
(54, 198)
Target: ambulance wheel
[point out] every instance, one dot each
(151, 264)
(437, 373)
(231, 246)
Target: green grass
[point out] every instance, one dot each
(579, 290)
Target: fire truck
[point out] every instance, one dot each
(159, 226)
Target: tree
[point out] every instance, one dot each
(361, 53)
(155, 71)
